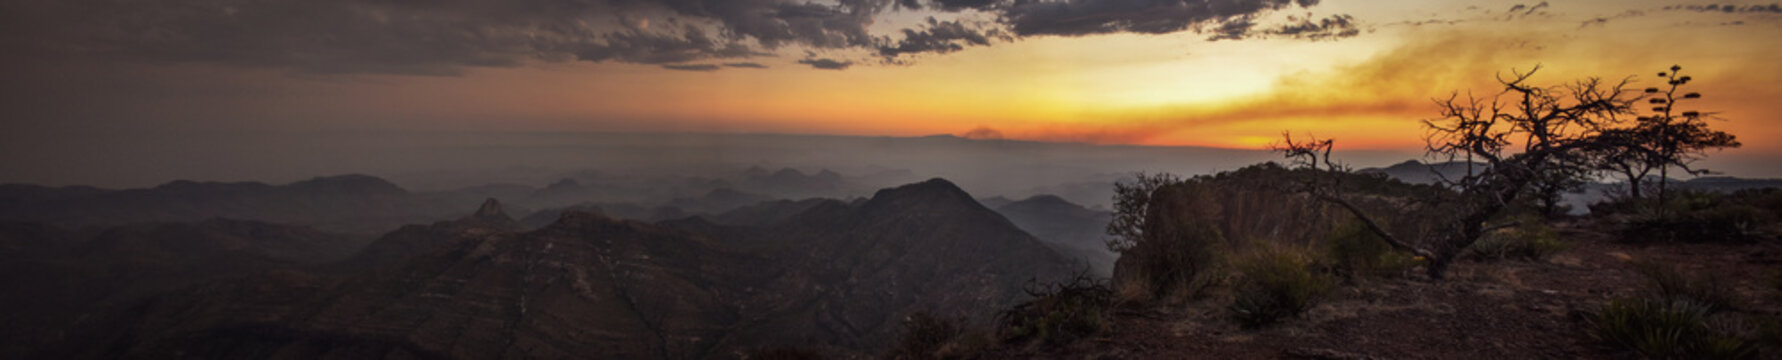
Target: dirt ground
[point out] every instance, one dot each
(1485, 310)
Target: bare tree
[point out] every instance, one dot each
(1529, 139)
(1672, 137)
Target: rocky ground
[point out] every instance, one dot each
(1485, 310)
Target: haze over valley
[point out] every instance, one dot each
(890, 179)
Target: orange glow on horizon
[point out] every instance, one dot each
(1368, 92)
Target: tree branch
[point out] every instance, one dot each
(1374, 226)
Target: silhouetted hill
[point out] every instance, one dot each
(1729, 184)
(830, 275)
(61, 278)
(1417, 172)
(542, 218)
(767, 213)
(920, 247)
(717, 201)
(791, 183)
(415, 240)
(1073, 230)
(994, 202)
(355, 203)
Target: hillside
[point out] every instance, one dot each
(1486, 310)
(348, 203)
(834, 277)
(60, 278)
(1233, 265)
(1073, 230)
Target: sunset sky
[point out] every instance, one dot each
(1222, 73)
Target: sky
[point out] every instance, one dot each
(108, 78)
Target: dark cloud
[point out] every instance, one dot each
(1234, 29)
(691, 44)
(429, 37)
(1225, 19)
(691, 67)
(1334, 27)
(965, 4)
(748, 65)
(1730, 8)
(827, 63)
(938, 37)
(443, 37)
(1523, 10)
(1710, 9)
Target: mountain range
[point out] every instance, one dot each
(823, 274)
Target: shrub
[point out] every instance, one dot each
(1719, 224)
(1276, 284)
(924, 337)
(1776, 282)
(1667, 329)
(1179, 261)
(1700, 217)
(1060, 313)
(784, 353)
(1671, 283)
(1359, 252)
(1533, 240)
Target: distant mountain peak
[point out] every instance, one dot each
(491, 208)
(1408, 163)
(490, 215)
(724, 192)
(788, 172)
(564, 184)
(353, 183)
(572, 219)
(936, 189)
(1048, 199)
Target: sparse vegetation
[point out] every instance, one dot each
(1697, 217)
(1269, 240)
(1175, 259)
(1277, 283)
(1357, 252)
(1534, 142)
(1669, 328)
(1060, 313)
(1132, 204)
(784, 353)
(926, 337)
(1672, 283)
(1684, 317)
(1531, 239)
(1667, 138)
(1775, 281)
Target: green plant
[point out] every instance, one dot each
(1701, 217)
(1132, 207)
(1672, 283)
(1359, 252)
(1776, 282)
(1667, 329)
(1178, 260)
(1276, 284)
(1532, 240)
(1060, 313)
(784, 353)
(924, 336)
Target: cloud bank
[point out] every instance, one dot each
(445, 37)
